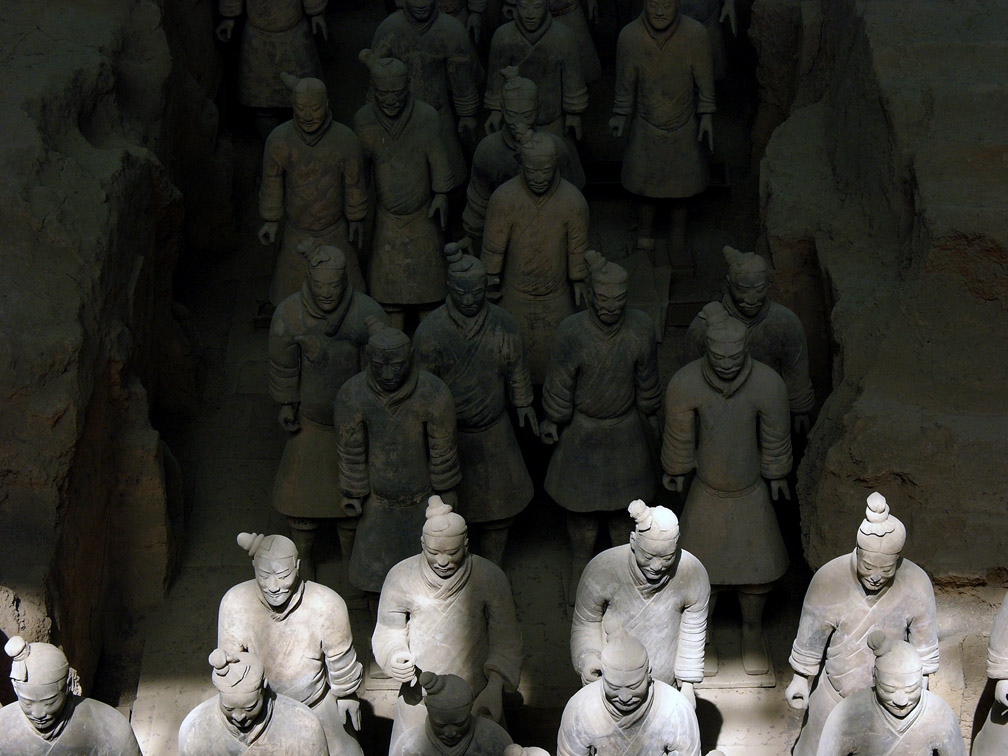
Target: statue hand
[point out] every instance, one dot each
(268, 232)
(320, 27)
(439, 205)
(686, 688)
(593, 11)
(779, 488)
(797, 693)
(493, 122)
(467, 125)
(548, 432)
(288, 418)
(707, 127)
(489, 702)
(224, 29)
(800, 424)
(591, 670)
(528, 414)
(353, 506)
(573, 123)
(616, 125)
(402, 667)
(674, 482)
(580, 290)
(355, 233)
(728, 12)
(473, 25)
(349, 706)
(1001, 693)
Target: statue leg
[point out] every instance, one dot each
(677, 230)
(396, 315)
(426, 309)
(493, 539)
(582, 530)
(346, 529)
(620, 524)
(645, 227)
(752, 599)
(303, 531)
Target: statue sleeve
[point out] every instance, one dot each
(516, 367)
(572, 82)
(678, 450)
(689, 665)
(561, 380)
(577, 240)
(344, 670)
(477, 196)
(997, 648)
(442, 442)
(231, 8)
(504, 646)
(228, 636)
(355, 191)
(314, 7)
(774, 428)
(703, 75)
(952, 744)
(923, 630)
(684, 730)
(815, 626)
(694, 347)
(589, 607)
(462, 77)
(496, 234)
(271, 190)
(834, 739)
(568, 742)
(495, 62)
(477, 6)
(795, 368)
(391, 635)
(351, 443)
(284, 361)
(648, 380)
(441, 174)
(626, 78)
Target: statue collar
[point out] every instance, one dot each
(623, 721)
(421, 27)
(733, 310)
(316, 136)
(56, 730)
(333, 320)
(456, 750)
(645, 587)
(445, 588)
(469, 326)
(663, 36)
(250, 736)
(392, 400)
(727, 388)
(395, 126)
(533, 38)
(292, 603)
(896, 724)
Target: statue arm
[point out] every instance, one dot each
(678, 450)
(774, 429)
(997, 647)
(477, 197)
(703, 76)
(271, 189)
(577, 240)
(344, 670)
(391, 635)
(284, 362)
(648, 379)
(586, 628)
(462, 78)
(572, 82)
(351, 443)
(496, 234)
(494, 82)
(568, 741)
(795, 367)
(442, 442)
(689, 666)
(816, 625)
(561, 381)
(441, 174)
(923, 630)
(504, 639)
(355, 190)
(519, 377)
(314, 7)
(694, 346)
(626, 79)
(231, 8)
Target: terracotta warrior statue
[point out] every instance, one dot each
(316, 344)
(248, 717)
(498, 155)
(534, 242)
(50, 717)
(776, 335)
(602, 388)
(713, 13)
(397, 446)
(726, 416)
(665, 84)
(476, 348)
(652, 589)
(449, 610)
(626, 712)
(897, 715)
(871, 588)
(572, 15)
(401, 137)
(992, 740)
(313, 172)
(442, 66)
(451, 728)
(547, 53)
(300, 630)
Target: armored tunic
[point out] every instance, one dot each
(536, 243)
(408, 166)
(395, 449)
(482, 361)
(992, 740)
(776, 338)
(664, 79)
(487, 739)
(87, 728)
(837, 616)
(860, 725)
(668, 617)
(277, 39)
(735, 434)
(319, 180)
(307, 480)
(664, 724)
(600, 381)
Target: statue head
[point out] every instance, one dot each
(276, 563)
(42, 679)
(607, 290)
(389, 82)
(726, 341)
(389, 353)
(519, 103)
(467, 281)
(516, 750)
(327, 278)
(419, 10)
(240, 679)
(661, 14)
(539, 158)
(626, 671)
(531, 14)
(748, 280)
(655, 540)
(449, 701)
(445, 539)
(880, 540)
(310, 100)
(898, 674)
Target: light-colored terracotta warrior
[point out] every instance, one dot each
(498, 155)
(992, 740)
(442, 69)
(301, 632)
(401, 137)
(547, 53)
(451, 728)
(50, 717)
(874, 587)
(277, 38)
(626, 712)
(776, 335)
(316, 344)
(601, 387)
(898, 715)
(534, 242)
(665, 81)
(313, 173)
(476, 348)
(712, 13)
(652, 589)
(397, 445)
(248, 717)
(450, 610)
(726, 416)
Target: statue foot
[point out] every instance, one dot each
(754, 653)
(710, 665)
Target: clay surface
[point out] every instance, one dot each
(993, 736)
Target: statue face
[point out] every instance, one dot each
(467, 294)
(874, 569)
(242, 709)
(389, 367)
(327, 286)
(277, 579)
(519, 120)
(530, 14)
(626, 689)
(445, 554)
(419, 9)
(608, 301)
(538, 172)
(451, 725)
(42, 704)
(310, 110)
(655, 557)
(391, 101)
(661, 13)
(726, 360)
(749, 290)
(899, 692)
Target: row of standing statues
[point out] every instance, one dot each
(286, 670)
